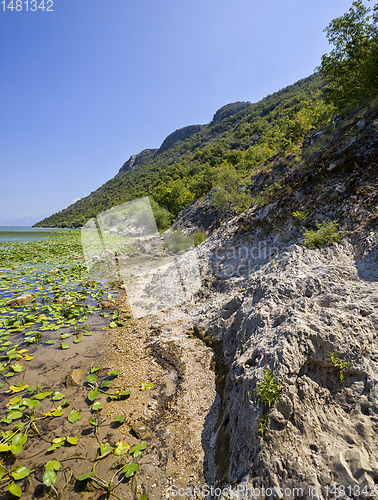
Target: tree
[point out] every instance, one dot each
(351, 68)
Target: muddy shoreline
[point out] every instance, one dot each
(176, 418)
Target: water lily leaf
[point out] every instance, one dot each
(59, 440)
(9, 374)
(14, 401)
(64, 346)
(17, 368)
(49, 477)
(137, 450)
(93, 421)
(30, 403)
(65, 336)
(28, 358)
(105, 448)
(113, 325)
(77, 341)
(73, 416)
(4, 448)
(121, 448)
(57, 413)
(91, 378)
(114, 373)
(95, 369)
(106, 384)
(97, 406)
(85, 476)
(42, 395)
(14, 489)
(17, 443)
(72, 440)
(88, 334)
(130, 469)
(146, 386)
(119, 418)
(20, 472)
(92, 395)
(14, 414)
(55, 446)
(53, 464)
(50, 342)
(58, 396)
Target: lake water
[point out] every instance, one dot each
(27, 233)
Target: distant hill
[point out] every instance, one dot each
(191, 160)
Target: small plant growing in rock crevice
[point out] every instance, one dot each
(327, 232)
(300, 216)
(269, 391)
(340, 364)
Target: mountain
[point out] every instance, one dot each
(191, 161)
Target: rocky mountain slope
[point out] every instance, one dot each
(263, 290)
(187, 164)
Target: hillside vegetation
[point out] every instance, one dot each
(231, 147)
(243, 139)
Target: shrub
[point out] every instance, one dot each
(327, 232)
(178, 241)
(199, 237)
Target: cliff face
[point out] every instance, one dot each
(264, 290)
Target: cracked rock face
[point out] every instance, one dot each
(299, 308)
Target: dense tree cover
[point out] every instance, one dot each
(351, 68)
(219, 155)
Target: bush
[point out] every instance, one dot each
(163, 217)
(178, 241)
(327, 232)
(199, 237)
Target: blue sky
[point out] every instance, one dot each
(92, 82)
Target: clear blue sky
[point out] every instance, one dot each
(87, 85)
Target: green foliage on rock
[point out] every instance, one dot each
(327, 232)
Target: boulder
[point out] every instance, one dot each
(106, 304)
(22, 300)
(74, 377)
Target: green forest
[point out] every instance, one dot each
(229, 153)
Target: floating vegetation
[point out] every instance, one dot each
(25, 416)
(46, 303)
(53, 280)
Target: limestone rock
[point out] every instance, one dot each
(141, 430)
(106, 304)
(22, 300)
(74, 377)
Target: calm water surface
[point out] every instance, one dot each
(27, 233)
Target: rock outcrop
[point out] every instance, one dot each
(263, 290)
(22, 300)
(179, 135)
(229, 110)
